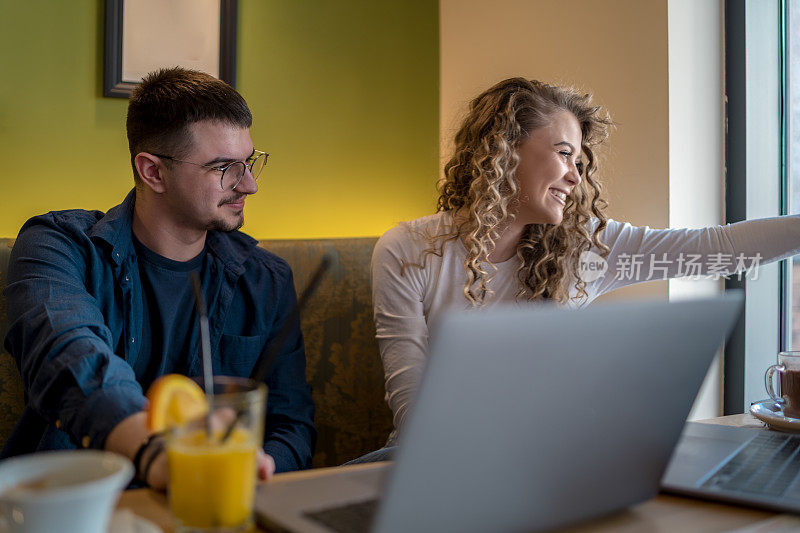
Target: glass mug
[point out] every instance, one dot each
(212, 480)
(788, 368)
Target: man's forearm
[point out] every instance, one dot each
(127, 437)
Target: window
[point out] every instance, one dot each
(755, 188)
(791, 159)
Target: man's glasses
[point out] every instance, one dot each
(232, 173)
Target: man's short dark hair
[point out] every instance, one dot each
(167, 101)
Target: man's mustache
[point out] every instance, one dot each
(232, 200)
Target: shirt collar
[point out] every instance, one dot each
(115, 228)
(232, 248)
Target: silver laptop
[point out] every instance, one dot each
(738, 465)
(528, 418)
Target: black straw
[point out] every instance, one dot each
(205, 342)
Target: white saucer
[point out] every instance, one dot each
(771, 413)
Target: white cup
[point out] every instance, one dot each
(64, 491)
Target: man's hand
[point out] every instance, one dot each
(128, 435)
(158, 475)
(266, 465)
(221, 419)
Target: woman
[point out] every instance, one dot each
(520, 215)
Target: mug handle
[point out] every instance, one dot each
(768, 382)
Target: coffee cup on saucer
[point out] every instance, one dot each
(64, 491)
(788, 368)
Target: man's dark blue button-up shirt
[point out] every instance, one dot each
(75, 308)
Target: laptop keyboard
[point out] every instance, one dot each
(350, 518)
(767, 465)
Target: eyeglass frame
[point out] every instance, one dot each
(223, 168)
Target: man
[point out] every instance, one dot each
(101, 305)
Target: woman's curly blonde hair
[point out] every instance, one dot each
(480, 185)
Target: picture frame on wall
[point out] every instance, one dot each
(144, 35)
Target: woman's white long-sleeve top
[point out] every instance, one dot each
(411, 288)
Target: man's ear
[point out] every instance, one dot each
(151, 171)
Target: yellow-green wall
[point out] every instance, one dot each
(344, 96)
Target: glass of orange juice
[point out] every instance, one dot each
(212, 479)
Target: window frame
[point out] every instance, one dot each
(754, 146)
(785, 187)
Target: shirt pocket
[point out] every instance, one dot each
(238, 354)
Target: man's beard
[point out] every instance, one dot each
(224, 226)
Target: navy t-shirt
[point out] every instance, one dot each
(169, 313)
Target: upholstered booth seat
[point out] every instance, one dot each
(11, 397)
(344, 366)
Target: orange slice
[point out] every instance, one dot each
(174, 401)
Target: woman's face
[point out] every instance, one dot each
(549, 168)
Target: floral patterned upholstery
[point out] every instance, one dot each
(11, 397)
(344, 366)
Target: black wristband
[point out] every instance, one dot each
(141, 474)
(159, 447)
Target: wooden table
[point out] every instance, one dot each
(662, 513)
